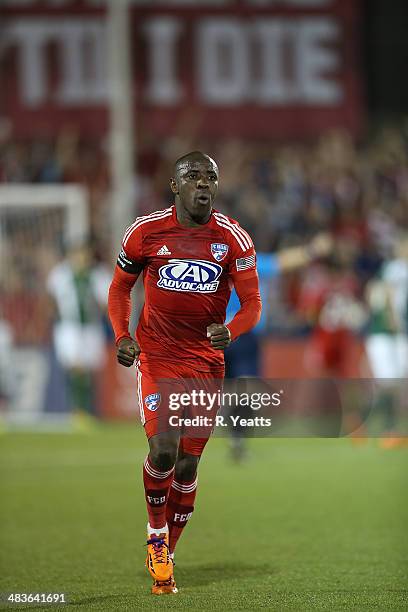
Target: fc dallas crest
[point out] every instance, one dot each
(219, 251)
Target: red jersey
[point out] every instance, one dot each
(188, 274)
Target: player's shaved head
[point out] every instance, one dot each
(194, 184)
(194, 156)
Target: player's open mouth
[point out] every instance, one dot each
(204, 198)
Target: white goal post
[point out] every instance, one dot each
(36, 223)
(73, 199)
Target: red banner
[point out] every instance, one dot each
(249, 68)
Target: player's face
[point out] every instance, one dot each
(196, 184)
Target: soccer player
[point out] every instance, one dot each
(387, 338)
(191, 256)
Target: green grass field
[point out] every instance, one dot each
(304, 524)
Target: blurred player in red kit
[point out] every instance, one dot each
(191, 257)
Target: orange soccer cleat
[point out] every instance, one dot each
(164, 587)
(158, 560)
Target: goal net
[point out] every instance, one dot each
(36, 222)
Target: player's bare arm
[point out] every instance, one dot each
(296, 257)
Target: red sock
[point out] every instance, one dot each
(180, 507)
(156, 484)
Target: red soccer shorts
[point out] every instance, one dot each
(176, 397)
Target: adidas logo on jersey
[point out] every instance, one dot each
(164, 251)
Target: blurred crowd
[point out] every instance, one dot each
(283, 194)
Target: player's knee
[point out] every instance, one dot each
(163, 458)
(186, 467)
(163, 454)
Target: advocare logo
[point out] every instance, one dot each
(192, 275)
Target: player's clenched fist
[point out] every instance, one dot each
(220, 336)
(128, 350)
